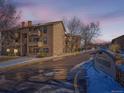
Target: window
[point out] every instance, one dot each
(25, 35)
(40, 29)
(45, 29)
(17, 35)
(17, 40)
(36, 50)
(35, 39)
(45, 40)
(46, 50)
(66, 43)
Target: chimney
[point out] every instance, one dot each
(23, 24)
(29, 23)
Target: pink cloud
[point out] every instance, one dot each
(51, 14)
(109, 26)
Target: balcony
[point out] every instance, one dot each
(17, 43)
(38, 44)
(38, 33)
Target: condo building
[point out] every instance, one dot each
(72, 43)
(48, 39)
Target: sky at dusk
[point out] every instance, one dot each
(110, 13)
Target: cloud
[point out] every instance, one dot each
(23, 3)
(85, 9)
(108, 18)
(110, 13)
(46, 12)
(115, 14)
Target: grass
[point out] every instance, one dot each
(6, 58)
(62, 65)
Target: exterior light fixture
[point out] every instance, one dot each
(8, 50)
(15, 51)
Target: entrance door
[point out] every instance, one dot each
(24, 44)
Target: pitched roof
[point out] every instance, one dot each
(118, 38)
(36, 25)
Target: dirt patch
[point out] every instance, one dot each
(6, 58)
(61, 66)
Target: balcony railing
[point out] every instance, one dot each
(35, 33)
(39, 44)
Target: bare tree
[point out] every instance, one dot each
(8, 19)
(89, 33)
(73, 27)
(8, 15)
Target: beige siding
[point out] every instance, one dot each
(32, 46)
(58, 39)
(49, 39)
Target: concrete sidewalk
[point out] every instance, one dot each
(12, 62)
(26, 60)
(23, 60)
